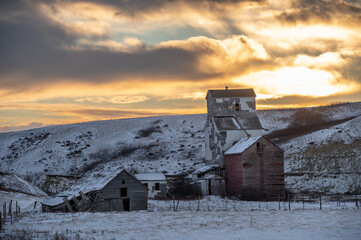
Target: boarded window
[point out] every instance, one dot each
(123, 192)
(157, 186)
(236, 106)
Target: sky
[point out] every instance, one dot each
(76, 61)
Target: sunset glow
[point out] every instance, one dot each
(74, 61)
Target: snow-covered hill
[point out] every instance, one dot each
(174, 144)
(13, 183)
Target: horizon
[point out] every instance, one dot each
(9, 129)
(67, 62)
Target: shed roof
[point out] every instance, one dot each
(242, 145)
(205, 168)
(150, 176)
(227, 123)
(231, 93)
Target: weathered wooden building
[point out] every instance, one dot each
(101, 190)
(231, 115)
(155, 182)
(255, 169)
(210, 180)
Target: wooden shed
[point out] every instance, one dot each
(101, 190)
(255, 169)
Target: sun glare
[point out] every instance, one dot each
(301, 81)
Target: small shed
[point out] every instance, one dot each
(210, 180)
(101, 190)
(255, 169)
(155, 182)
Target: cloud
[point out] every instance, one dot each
(343, 12)
(114, 99)
(106, 114)
(300, 81)
(21, 127)
(38, 51)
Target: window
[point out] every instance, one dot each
(259, 147)
(123, 181)
(236, 106)
(157, 186)
(146, 184)
(123, 192)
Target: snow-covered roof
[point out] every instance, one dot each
(92, 181)
(53, 201)
(242, 145)
(212, 176)
(150, 176)
(205, 168)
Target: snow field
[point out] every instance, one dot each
(307, 224)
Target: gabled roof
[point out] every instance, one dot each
(242, 145)
(231, 93)
(92, 181)
(150, 176)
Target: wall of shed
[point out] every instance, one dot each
(256, 175)
(111, 193)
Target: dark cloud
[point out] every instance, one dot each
(33, 46)
(322, 11)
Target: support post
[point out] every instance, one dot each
(320, 203)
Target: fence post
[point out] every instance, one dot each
(320, 203)
(279, 202)
(303, 204)
(1, 221)
(198, 202)
(4, 208)
(357, 202)
(16, 209)
(289, 202)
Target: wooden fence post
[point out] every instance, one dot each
(16, 208)
(279, 202)
(198, 203)
(289, 202)
(303, 204)
(357, 202)
(320, 203)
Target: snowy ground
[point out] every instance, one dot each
(217, 219)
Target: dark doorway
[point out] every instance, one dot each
(126, 204)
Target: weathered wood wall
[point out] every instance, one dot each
(256, 174)
(109, 198)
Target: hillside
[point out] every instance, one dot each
(175, 144)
